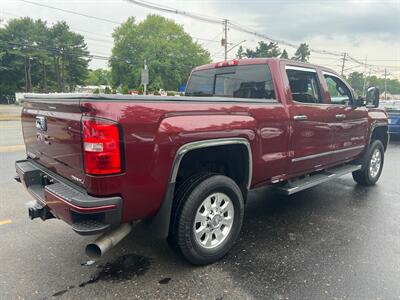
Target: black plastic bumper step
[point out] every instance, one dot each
(87, 227)
(298, 185)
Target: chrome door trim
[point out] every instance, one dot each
(327, 153)
(331, 74)
(300, 69)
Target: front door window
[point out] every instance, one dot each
(339, 92)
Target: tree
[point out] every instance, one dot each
(356, 80)
(302, 53)
(98, 77)
(107, 90)
(70, 56)
(263, 50)
(284, 54)
(19, 40)
(37, 58)
(169, 51)
(240, 52)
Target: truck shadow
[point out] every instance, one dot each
(284, 240)
(394, 139)
(281, 236)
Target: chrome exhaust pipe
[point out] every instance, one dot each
(108, 240)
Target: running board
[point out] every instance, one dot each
(294, 186)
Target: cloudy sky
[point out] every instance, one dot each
(364, 29)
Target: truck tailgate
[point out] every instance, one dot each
(53, 135)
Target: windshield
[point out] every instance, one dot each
(250, 81)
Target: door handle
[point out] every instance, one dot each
(300, 118)
(340, 116)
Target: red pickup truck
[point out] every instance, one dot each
(184, 165)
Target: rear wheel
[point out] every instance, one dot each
(207, 219)
(372, 170)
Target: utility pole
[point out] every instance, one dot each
(385, 83)
(226, 38)
(344, 61)
(145, 77)
(365, 76)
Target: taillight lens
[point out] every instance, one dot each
(226, 63)
(101, 147)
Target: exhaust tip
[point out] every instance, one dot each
(93, 251)
(108, 240)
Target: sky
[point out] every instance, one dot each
(366, 30)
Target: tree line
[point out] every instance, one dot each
(271, 49)
(36, 57)
(357, 80)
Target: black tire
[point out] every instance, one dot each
(189, 199)
(365, 175)
(181, 194)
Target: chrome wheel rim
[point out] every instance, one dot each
(375, 163)
(214, 220)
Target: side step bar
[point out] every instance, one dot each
(294, 186)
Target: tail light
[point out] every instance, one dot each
(101, 147)
(226, 63)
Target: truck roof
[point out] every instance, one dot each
(263, 60)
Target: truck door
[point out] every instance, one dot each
(350, 124)
(311, 135)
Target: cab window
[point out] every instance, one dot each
(247, 81)
(339, 92)
(304, 86)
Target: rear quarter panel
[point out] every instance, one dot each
(154, 131)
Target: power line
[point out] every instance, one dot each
(167, 9)
(70, 52)
(224, 21)
(248, 30)
(214, 20)
(76, 29)
(71, 12)
(79, 30)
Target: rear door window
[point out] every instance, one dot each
(304, 86)
(249, 81)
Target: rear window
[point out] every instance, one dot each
(250, 81)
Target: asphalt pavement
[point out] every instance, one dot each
(335, 241)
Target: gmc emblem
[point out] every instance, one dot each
(41, 123)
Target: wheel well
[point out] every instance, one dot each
(229, 160)
(380, 133)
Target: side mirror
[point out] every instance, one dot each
(359, 102)
(372, 97)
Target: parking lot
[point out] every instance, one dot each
(335, 241)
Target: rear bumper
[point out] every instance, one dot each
(68, 202)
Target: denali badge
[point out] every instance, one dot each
(41, 123)
(76, 179)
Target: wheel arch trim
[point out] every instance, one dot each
(375, 126)
(159, 224)
(186, 148)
